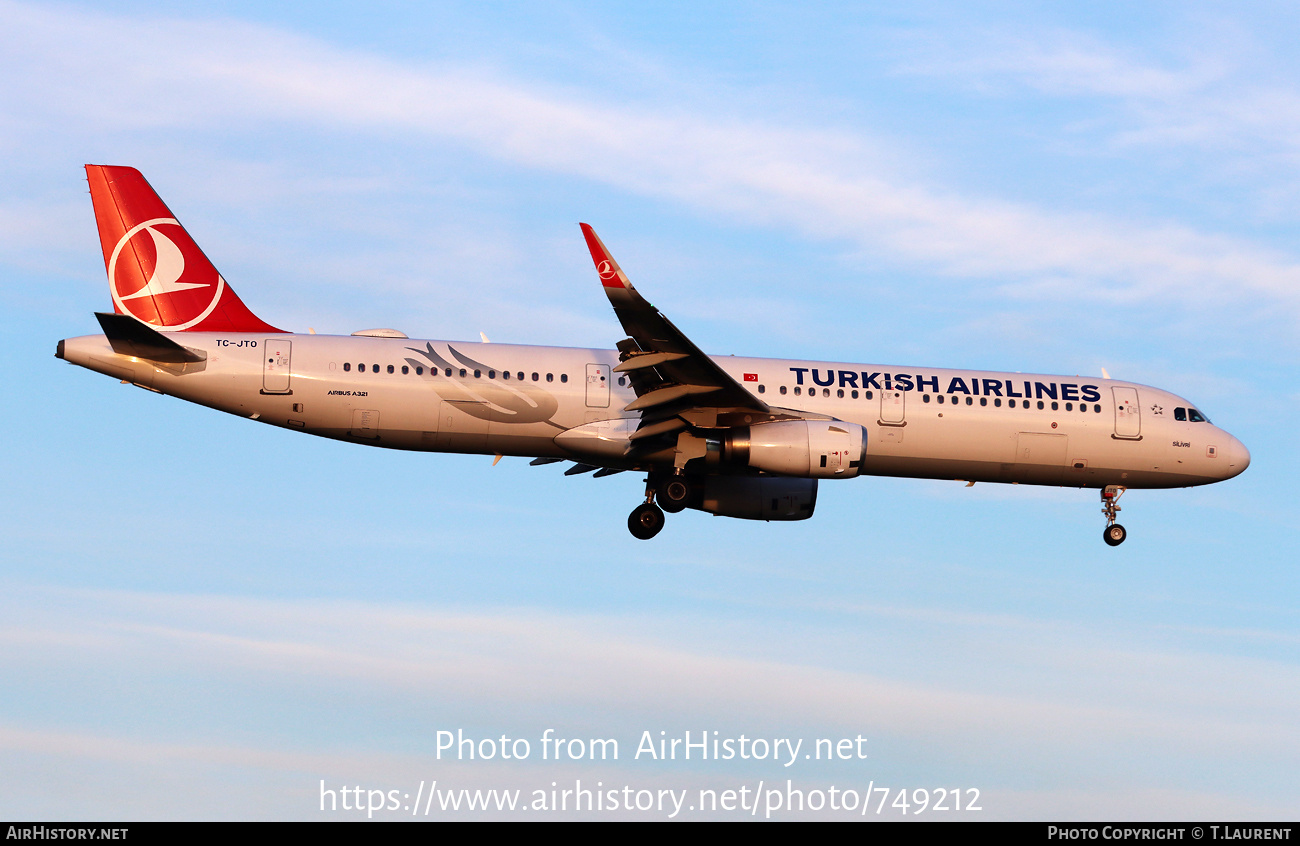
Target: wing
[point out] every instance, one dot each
(676, 384)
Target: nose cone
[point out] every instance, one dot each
(1238, 457)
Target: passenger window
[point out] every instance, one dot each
(1180, 414)
(868, 394)
(798, 391)
(478, 374)
(520, 374)
(564, 377)
(853, 394)
(997, 403)
(783, 389)
(492, 374)
(550, 377)
(1040, 405)
(984, 400)
(405, 370)
(505, 374)
(462, 373)
(939, 399)
(826, 392)
(1054, 406)
(970, 401)
(762, 389)
(1069, 406)
(534, 377)
(621, 379)
(347, 366)
(1097, 408)
(419, 371)
(390, 368)
(840, 393)
(925, 397)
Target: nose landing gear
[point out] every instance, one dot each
(1114, 534)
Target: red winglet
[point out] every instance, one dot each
(156, 273)
(611, 275)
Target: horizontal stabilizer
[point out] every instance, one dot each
(129, 336)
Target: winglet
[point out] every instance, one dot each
(611, 275)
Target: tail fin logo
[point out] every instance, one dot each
(606, 270)
(154, 282)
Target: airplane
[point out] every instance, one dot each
(732, 436)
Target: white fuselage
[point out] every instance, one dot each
(515, 400)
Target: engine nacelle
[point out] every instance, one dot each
(816, 449)
(758, 497)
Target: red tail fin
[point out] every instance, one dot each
(155, 270)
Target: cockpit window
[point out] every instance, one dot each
(1180, 414)
(1195, 416)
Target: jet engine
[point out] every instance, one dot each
(758, 497)
(816, 449)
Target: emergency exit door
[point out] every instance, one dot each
(598, 386)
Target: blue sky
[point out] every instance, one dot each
(204, 617)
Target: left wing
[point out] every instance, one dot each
(676, 384)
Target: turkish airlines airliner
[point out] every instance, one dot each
(736, 437)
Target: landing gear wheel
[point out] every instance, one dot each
(673, 494)
(645, 521)
(1114, 533)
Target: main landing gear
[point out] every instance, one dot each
(673, 493)
(645, 521)
(1114, 534)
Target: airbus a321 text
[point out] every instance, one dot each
(733, 436)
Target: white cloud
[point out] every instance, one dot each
(827, 185)
(1209, 100)
(1064, 699)
(617, 664)
(1055, 61)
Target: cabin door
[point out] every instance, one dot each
(1128, 416)
(276, 354)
